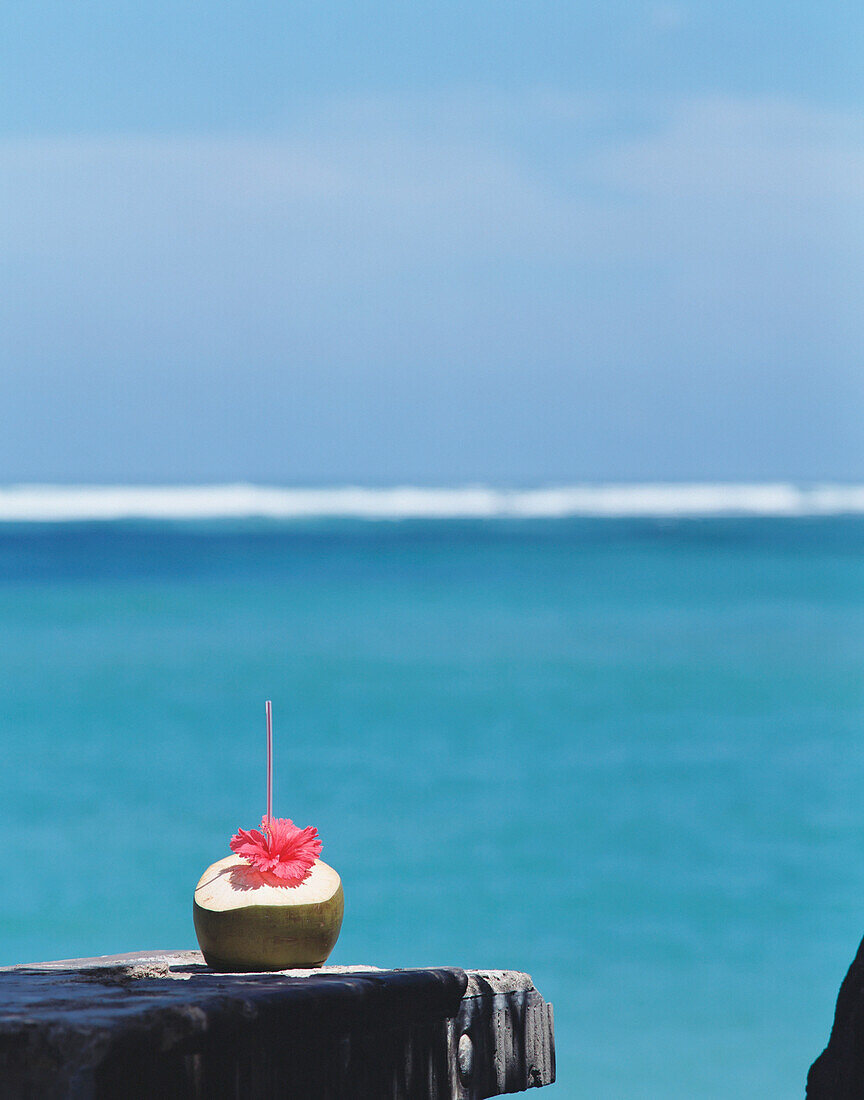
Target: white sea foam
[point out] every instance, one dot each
(54, 503)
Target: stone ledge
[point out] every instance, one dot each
(161, 1023)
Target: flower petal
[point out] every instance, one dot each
(281, 848)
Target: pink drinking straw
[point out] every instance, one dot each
(268, 707)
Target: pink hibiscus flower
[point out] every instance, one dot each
(280, 849)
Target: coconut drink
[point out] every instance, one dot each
(273, 904)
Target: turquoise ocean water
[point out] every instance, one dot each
(626, 756)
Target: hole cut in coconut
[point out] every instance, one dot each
(232, 884)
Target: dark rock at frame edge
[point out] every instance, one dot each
(838, 1072)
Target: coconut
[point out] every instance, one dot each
(246, 920)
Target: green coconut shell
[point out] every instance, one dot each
(241, 927)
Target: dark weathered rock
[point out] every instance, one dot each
(503, 1036)
(163, 1024)
(838, 1072)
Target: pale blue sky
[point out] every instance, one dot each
(510, 241)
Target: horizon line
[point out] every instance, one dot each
(53, 503)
